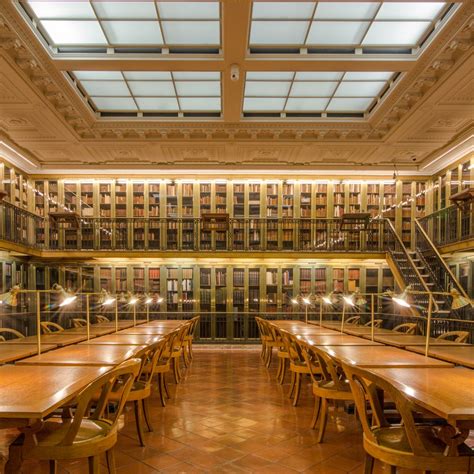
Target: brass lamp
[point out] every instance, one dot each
(458, 300)
(10, 298)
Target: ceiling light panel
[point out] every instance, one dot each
(151, 91)
(145, 26)
(342, 26)
(314, 92)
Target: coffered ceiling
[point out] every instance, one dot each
(235, 85)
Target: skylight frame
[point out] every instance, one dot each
(349, 49)
(136, 97)
(108, 47)
(344, 78)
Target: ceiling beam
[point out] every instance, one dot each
(235, 26)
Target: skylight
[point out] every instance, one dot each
(144, 93)
(126, 26)
(293, 93)
(322, 27)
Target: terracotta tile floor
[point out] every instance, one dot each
(230, 416)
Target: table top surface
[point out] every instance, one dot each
(12, 352)
(403, 340)
(58, 339)
(165, 323)
(381, 356)
(433, 390)
(95, 330)
(124, 323)
(125, 339)
(308, 330)
(85, 354)
(364, 330)
(336, 339)
(461, 355)
(147, 330)
(36, 391)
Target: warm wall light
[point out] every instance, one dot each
(148, 299)
(10, 297)
(402, 299)
(66, 297)
(459, 301)
(348, 300)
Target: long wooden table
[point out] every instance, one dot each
(381, 356)
(153, 330)
(13, 352)
(94, 330)
(336, 339)
(404, 340)
(125, 339)
(460, 355)
(58, 339)
(84, 354)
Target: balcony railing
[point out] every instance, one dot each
(189, 234)
(450, 225)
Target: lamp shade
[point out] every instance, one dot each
(402, 298)
(10, 297)
(106, 298)
(458, 301)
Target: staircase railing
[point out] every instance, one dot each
(407, 269)
(434, 262)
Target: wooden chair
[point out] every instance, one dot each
(79, 322)
(176, 352)
(298, 365)
(407, 328)
(101, 319)
(271, 341)
(263, 337)
(282, 353)
(50, 327)
(332, 386)
(16, 333)
(90, 432)
(377, 323)
(353, 320)
(456, 336)
(406, 444)
(188, 341)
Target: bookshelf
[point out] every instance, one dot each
(305, 281)
(221, 198)
(272, 200)
(121, 279)
(71, 278)
(254, 200)
(87, 199)
(321, 200)
(40, 277)
(171, 200)
(406, 210)
(389, 200)
(254, 289)
(338, 200)
(354, 201)
(205, 198)
(105, 200)
(373, 199)
(338, 279)
(154, 281)
(221, 289)
(120, 199)
(205, 289)
(154, 196)
(39, 199)
(287, 288)
(353, 279)
(7, 184)
(320, 284)
(271, 282)
(420, 199)
(288, 200)
(70, 196)
(272, 234)
(53, 196)
(187, 199)
(138, 280)
(105, 278)
(172, 290)
(238, 190)
(371, 280)
(238, 290)
(87, 279)
(138, 199)
(306, 200)
(187, 289)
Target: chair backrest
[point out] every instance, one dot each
(193, 326)
(102, 319)
(329, 370)
(407, 328)
(119, 382)
(353, 320)
(170, 342)
(456, 336)
(16, 333)
(149, 357)
(365, 386)
(377, 323)
(49, 326)
(79, 322)
(292, 346)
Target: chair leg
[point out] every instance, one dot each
(191, 355)
(161, 389)
(139, 421)
(283, 372)
(278, 369)
(176, 372)
(269, 357)
(167, 393)
(297, 389)
(110, 458)
(93, 464)
(292, 384)
(323, 419)
(317, 406)
(393, 469)
(146, 414)
(53, 466)
(368, 464)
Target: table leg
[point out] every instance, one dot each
(15, 459)
(453, 438)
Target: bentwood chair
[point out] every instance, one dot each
(282, 353)
(406, 328)
(405, 444)
(92, 430)
(176, 352)
(332, 386)
(263, 336)
(79, 322)
(50, 327)
(101, 319)
(455, 336)
(298, 365)
(14, 332)
(188, 341)
(377, 323)
(353, 320)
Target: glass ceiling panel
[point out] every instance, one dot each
(151, 91)
(125, 24)
(270, 76)
(314, 92)
(338, 25)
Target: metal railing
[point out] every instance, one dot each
(188, 234)
(449, 225)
